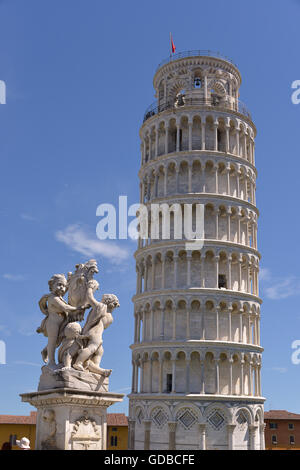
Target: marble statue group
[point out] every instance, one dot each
(80, 348)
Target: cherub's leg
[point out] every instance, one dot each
(84, 355)
(51, 350)
(68, 360)
(94, 363)
(96, 359)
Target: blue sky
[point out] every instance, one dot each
(79, 77)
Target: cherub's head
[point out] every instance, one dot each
(111, 301)
(72, 330)
(92, 268)
(58, 284)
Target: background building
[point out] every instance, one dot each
(196, 354)
(15, 427)
(282, 430)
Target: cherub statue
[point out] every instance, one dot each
(58, 313)
(73, 339)
(77, 282)
(99, 318)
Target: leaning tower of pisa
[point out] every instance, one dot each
(196, 355)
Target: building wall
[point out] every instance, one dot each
(21, 430)
(119, 432)
(283, 434)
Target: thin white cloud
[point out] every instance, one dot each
(283, 288)
(281, 370)
(14, 277)
(276, 288)
(78, 239)
(264, 274)
(27, 217)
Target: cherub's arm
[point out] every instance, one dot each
(62, 306)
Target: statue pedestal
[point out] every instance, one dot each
(71, 419)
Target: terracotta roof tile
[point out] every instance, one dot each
(13, 419)
(113, 419)
(281, 414)
(117, 419)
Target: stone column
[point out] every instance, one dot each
(190, 124)
(189, 259)
(229, 323)
(237, 136)
(174, 324)
(175, 261)
(202, 382)
(167, 140)
(228, 179)
(216, 124)
(217, 361)
(144, 326)
(172, 435)
(259, 381)
(162, 323)
(156, 183)
(177, 169)
(241, 326)
(173, 375)
(238, 190)
(217, 323)
(228, 223)
(217, 179)
(150, 374)
(150, 145)
(216, 213)
(153, 273)
(230, 430)
(188, 332)
(187, 376)
(227, 128)
(151, 324)
(156, 142)
(147, 430)
(160, 375)
(202, 271)
(229, 262)
(165, 180)
(190, 169)
(177, 137)
(203, 137)
(262, 436)
(217, 260)
(230, 375)
(251, 378)
(131, 433)
(202, 434)
(142, 375)
(133, 377)
(242, 377)
(252, 434)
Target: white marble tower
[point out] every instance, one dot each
(196, 355)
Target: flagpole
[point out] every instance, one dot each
(170, 46)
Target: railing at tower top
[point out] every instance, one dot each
(195, 53)
(237, 106)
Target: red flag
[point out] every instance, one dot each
(172, 45)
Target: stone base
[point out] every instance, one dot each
(71, 419)
(71, 378)
(191, 422)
